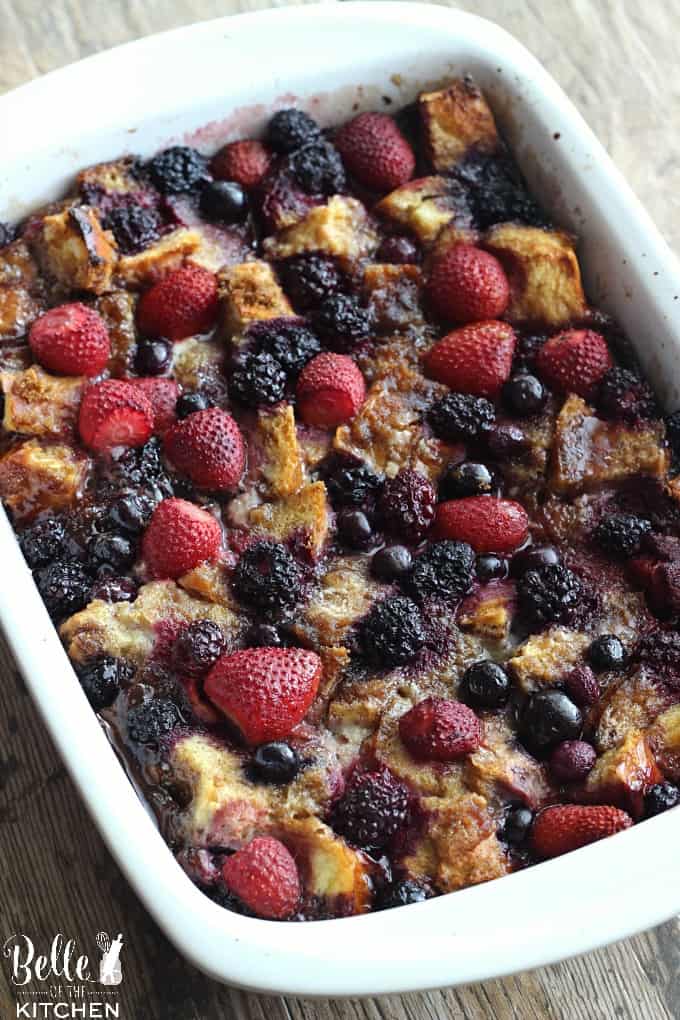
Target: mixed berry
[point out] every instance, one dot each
(364, 545)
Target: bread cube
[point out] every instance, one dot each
(38, 476)
(489, 612)
(145, 267)
(280, 461)
(250, 291)
(209, 581)
(634, 703)
(426, 206)
(344, 595)
(302, 518)
(544, 659)
(333, 870)
(117, 309)
(393, 294)
(664, 738)
(456, 120)
(543, 272)
(18, 267)
(341, 228)
(40, 404)
(621, 776)
(77, 251)
(115, 177)
(17, 311)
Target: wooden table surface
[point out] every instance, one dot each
(617, 59)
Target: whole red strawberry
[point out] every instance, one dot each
(474, 359)
(488, 524)
(330, 390)
(575, 361)
(208, 447)
(71, 340)
(162, 394)
(245, 162)
(264, 692)
(438, 729)
(178, 537)
(467, 284)
(182, 303)
(115, 413)
(263, 875)
(375, 152)
(564, 827)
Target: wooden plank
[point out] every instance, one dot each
(617, 61)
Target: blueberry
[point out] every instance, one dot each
(110, 550)
(263, 635)
(403, 892)
(485, 685)
(467, 479)
(517, 826)
(152, 357)
(533, 558)
(391, 563)
(101, 680)
(189, 403)
(130, 513)
(524, 395)
(661, 797)
(276, 762)
(354, 529)
(607, 652)
(549, 717)
(224, 201)
(489, 567)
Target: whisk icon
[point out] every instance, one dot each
(110, 971)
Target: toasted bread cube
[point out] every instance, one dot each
(280, 463)
(115, 177)
(341, 228)
(632, 704)
(129, 630)
(500, 768)
(117, 309)
(345, 594)
(18, 267)
(209, 581)
(621, 775)
(40, 404)
(147, 266)
(393, 294)
(334, 870)
(37, 476)
(17, 311)
(589, 453)
(543, 273)
(544, 658)
(455, 120)
(250, 291)
(489, 612)
(664, 738)
(302, 517)
(425, 206)
(77, 251)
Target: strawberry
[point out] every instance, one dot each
(488, 524)
(246, 162)
(264, 692)
(71, 340)
(474, 359)
(264, 877)
(437, 729)
(467, 284)
(115, 413)
(374, 151)
(564, 827)
(330, 390)
(208, 447)
(180, 304)
(178, 537)
(575, 361)
(162, 394)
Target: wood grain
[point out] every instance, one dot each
(617, 61)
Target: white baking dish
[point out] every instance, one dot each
(228, 74)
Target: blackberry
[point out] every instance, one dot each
(373, 808)
(528, 347)
(177, 170)
(485, 685)
(459, 416)
(318, 168)
(64, 587)
(548, 718)
(310, 279)
(115, 589)
(350, 484)
(134, 227)
(224, 201)
(258, 379)
(403, 892)
(276, 762)
(623, 394)
(290, 129)
(108, 550)
(659, 798)
(151, 357)
(445, 570)
(139, 467)
(130, 513)
(549, 594)
(524, 394)
(660, 650)
(398, 250)
(101, 680)
(342, 322)
(267, 577)
(621, 535)
(263, 635)
(289, 341)
(496, 193)
(43, 541)
(467, 479)
(393, 632)
(191, 402)
(149, 722)
(198, 647)
(407, 505)
(7, 233)
(607, 652)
